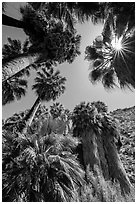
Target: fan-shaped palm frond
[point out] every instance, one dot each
(50, 40)
(71, 12)
(93, 116)
(11, 51)
(113, 64)
(49, 85)
(101, 106)
(13, 89)
(56, 109)
(42, 169)
(113, 56)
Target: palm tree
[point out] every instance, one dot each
(50, 41)
(100, 106)
(71, 12)
(120, 16)
(60, 119)
(40, 169)
(113, 53)
(35, 22)
(11, 50)
(56, 109)
(99, 135)
(110, 64)
(15, 86)
(49, 86)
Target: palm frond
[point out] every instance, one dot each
(39, 171)
(108, 79)
(12, 90)
(49, 85)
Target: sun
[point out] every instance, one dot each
(117, 44)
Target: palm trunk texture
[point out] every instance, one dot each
(115, 166)
(101, 151)
(19, 64)
(30, 116)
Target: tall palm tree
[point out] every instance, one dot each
(15, 86)
(35, 19)
(113, 54)
(10, 50)
(49, 86)
(50, 41)
(40, 169)
(120, 16)
(71, 12)
(111, 63)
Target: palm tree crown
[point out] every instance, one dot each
(110, 63)
(49, 85)
(113, 53)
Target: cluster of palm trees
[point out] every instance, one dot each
(37, 167)
(52, 39)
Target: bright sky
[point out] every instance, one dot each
(78, 87)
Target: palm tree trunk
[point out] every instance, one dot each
(15, 75)
(100, 151)
(90, 150)
(13, 67)
(30, 116)
(9, 21)
(115, 166)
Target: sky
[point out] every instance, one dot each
(78, 86)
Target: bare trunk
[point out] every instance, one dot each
(9, 21)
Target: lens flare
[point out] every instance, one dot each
(117, 44)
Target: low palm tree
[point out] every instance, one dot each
(40, 169)
(56, 109)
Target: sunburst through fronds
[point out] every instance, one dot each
(121, 46)
(117, 44)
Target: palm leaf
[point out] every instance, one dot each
(39, 171)
(12, 90)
